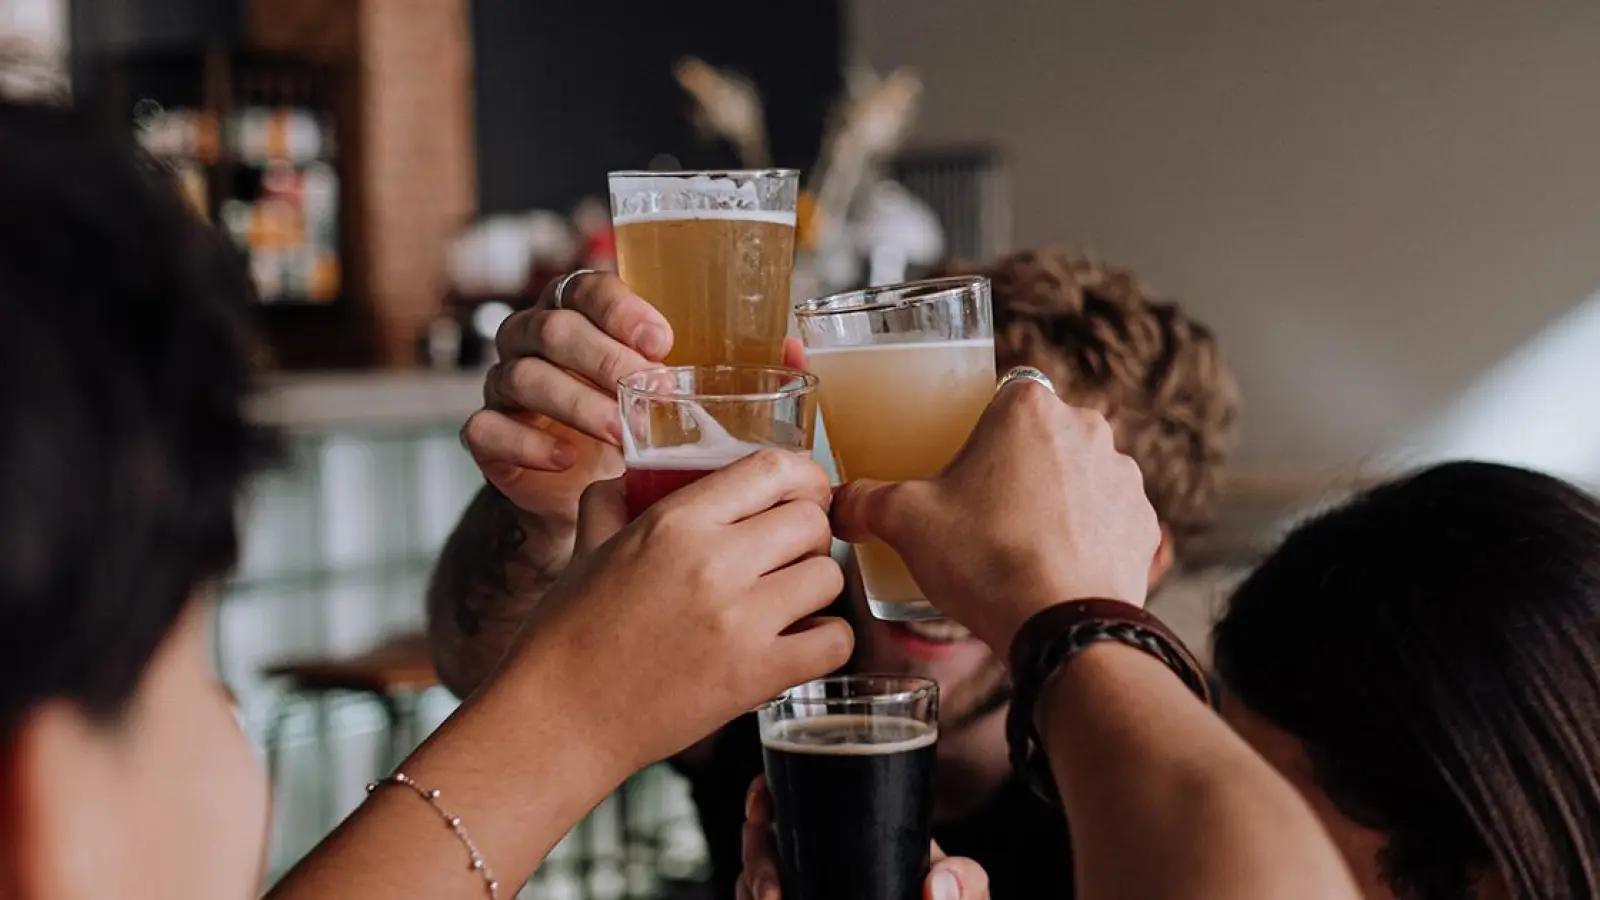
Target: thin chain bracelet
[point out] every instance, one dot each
(454, 823)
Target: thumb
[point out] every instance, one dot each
(794, 354)
(601, 514)
(865, 510)
(956, 878)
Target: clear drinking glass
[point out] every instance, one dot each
(906, 371)
(681, 423)
(849, 763)
(714, 252)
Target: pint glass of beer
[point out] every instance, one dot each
(714, 252)
(849, 764)
(681, 423)
(906, 371)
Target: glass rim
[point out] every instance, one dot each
(922, 291)
(805, 382)
(710, 173)
(925, 688)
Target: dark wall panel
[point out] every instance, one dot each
(567, 89)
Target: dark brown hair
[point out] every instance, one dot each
(1156, 374)
(1435, 644)
(125, 328)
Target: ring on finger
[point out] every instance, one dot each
(559, 300)
(1025, 373)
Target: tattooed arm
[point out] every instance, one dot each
(492, 572)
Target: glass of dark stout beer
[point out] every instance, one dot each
(681, 423)
(849, 764)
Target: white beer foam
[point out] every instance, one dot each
(727, 199)
(692, 457)
(810, 736)
(912, 343)
(715, 449)
(773, 217)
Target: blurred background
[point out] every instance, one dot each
(1387, 212)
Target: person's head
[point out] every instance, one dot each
(124, 326)
(1158, 377)
(1423, 662)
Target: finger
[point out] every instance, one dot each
(790, 594)
(604, 300)
(1016, 404)
(1019, 395)
(570, 341)
(752, 485)
(817, 647)
(788, 532)
(602, 513)
(956, 878)
(498, 441)
(865, 510)
(760, 859)
(757, 802)
(794, 354)
(935, 852)
(538, 386)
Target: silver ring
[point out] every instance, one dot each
(560, 299)
(1025, 373)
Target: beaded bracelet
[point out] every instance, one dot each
(454, 823)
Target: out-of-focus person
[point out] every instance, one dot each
(1423, 663)
(125, 338)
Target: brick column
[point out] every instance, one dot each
(411, 172)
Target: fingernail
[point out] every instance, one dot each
(614, 428)
(563, 455)
(945, 886)
(749, 805)
(652, 341)
(766, 889)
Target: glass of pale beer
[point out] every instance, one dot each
(906, 371)
(714, 252)
(681, 423)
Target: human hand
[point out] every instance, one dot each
(1037, 508)
(701, 608)
(950, 878)
(549, 404)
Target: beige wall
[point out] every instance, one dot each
(1377, 203)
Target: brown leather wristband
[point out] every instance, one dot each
(1051, 638)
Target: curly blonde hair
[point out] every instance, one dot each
(1157, 375)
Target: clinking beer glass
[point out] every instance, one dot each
(681, 423)
(714, 252)
(906, 372)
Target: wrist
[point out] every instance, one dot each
(1039, 583)
(1093, 666)
(1054, 640)
(555, 674)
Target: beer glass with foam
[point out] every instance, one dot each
(681, 423)
(714, 252)
(906, 371)
(849, 763)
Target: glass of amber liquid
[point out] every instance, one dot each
(714, 252)
(681, 423)
(906, 369)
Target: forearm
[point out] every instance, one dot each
(1166, 801)
(491, 574)
(520, 763)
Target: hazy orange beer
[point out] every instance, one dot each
(714, 251)
(681, 423)
(906, 371)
